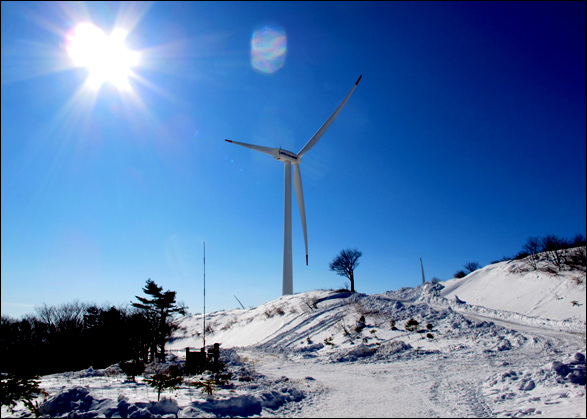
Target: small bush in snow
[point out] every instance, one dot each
(360, 324)
(207, 385)
(161, 381)
(460, 274)
(344, 328)
(411, 325)
(277, 310)
(132, 368)
(228, 325)
(311, 302)
(472, 266)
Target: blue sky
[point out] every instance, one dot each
(465, 136)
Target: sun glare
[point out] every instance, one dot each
(106, 58)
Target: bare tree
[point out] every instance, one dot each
(472, 266)
(345, 264)
(555, 249)
(578, 240)
(532, 247)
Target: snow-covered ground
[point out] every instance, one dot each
(510, 286)
(500, 342)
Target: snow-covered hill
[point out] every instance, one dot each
(499, 342)
(510, 286)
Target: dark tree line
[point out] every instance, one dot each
(71, 337)
(556, 252)
(550, 253)
(78, 335)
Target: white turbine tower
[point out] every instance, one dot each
(290, 158)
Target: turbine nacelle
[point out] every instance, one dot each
(284, 155)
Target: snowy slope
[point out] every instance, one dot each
(506, 286)
(510, 349)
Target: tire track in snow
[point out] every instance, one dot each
(310, 325)
(452, 386)
(383, 389)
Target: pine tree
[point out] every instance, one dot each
(161, 381)
(14, 389)
(159, 310)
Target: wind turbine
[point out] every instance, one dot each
(290, 158)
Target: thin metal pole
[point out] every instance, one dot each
(204, 294)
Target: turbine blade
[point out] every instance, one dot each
(324, 127)
(302, 208)
(262, 149)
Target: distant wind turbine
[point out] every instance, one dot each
(290, 158)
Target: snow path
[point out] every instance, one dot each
(444, 384)
(432, 386)
(337, 385)
(564, 338)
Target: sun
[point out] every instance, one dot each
(106, 57)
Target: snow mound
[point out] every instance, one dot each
(251, 404)
(76, 402)
(79, 402)
(249, 401)
(542, 386)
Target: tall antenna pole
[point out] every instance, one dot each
(204, 294)
(422, 266)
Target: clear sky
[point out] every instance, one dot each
(465, 136)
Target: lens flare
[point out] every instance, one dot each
(268, 48)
